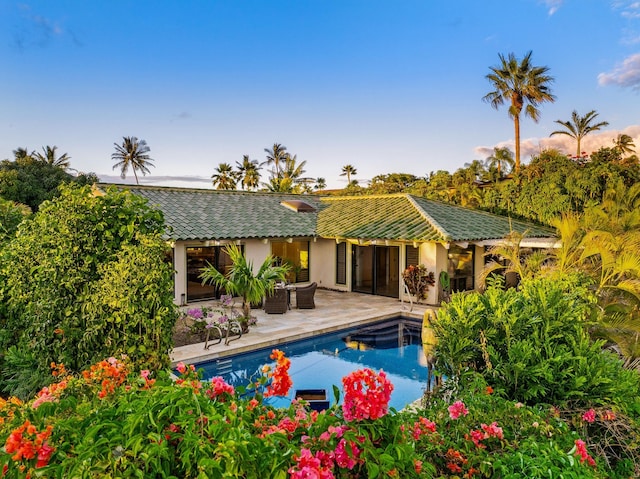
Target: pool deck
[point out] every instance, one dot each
(334, 310)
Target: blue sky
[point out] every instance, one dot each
(386, 86)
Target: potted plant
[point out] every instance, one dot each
(418, 280)
(241, 280)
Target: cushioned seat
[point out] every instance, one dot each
(278, 302)
(304, 296)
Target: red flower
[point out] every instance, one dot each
(456, 409)
(366, 395)
(581, 450)
(590, 415)
(280, 379)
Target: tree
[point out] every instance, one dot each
(348, 170)
(502, 157)
(289, 179)
(579, 127)
(224, 177)
(30, 181)
(132, 153)
(321, 184)
(11, 215)
(86, 279)
(275, 156)
(48, 156)
(249, 173)
(624, 144)
(522, 85)
(241, 280)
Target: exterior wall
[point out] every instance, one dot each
(478, 266)
(322, 264)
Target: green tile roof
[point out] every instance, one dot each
(406, 217)
(198, 214)
(212, 214)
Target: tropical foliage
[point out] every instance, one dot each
(523, 86)
(132, 153)
(30, 181)
(241, 280)
(579, 127)
(113, 420)
(85, 278)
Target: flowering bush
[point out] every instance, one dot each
(110, 421)
(418, 280)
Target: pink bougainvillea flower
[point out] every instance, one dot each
(581, 450)
(181, 367)
(589, 416)
(366, 395)
(492, 430)
(457, 409)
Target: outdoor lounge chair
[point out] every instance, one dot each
(278, 302)
(304, 296)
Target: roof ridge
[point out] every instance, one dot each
(208, 190)
(445, 234)
(362, 197)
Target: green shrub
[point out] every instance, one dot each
(84, 279)
(532, 344)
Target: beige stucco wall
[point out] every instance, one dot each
(322, 255)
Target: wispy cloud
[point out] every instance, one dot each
(552, 5)
(626, 74)
(39, 31)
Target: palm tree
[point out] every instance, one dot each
(519, 84)
(49, 157)
(579, 127)
(348, 170)
(241, 281)
(276, 155)
(500, 157)
(22, 153)
(224, 177)
(132, 153)
(624, 144)
(249, 174)
(321, 184)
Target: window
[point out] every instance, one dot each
(412, 256)
(341, 263)
(296, 255)
(461, 268)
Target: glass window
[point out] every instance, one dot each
(461, 268)
(341, 263)
(296, 255)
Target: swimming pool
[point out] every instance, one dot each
(393, 345)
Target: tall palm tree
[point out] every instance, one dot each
(348, 170)
(519, 83)
(501, 157)
(624, 144)
(579, 127)
(249, 173)
(48, 156)
(224, 177)
(276, 155)
(321, 184)
(134, 154)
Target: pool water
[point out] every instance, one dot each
(322, 361)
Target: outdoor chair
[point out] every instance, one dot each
(304, 296)
(278, 302)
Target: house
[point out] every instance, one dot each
(346, 243)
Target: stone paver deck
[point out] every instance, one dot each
(334, 310)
